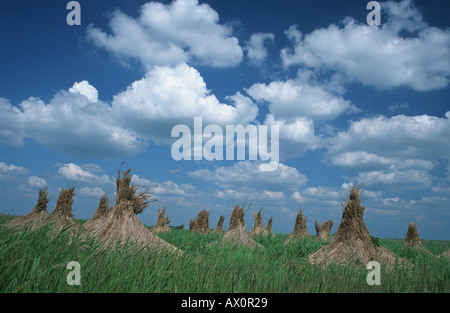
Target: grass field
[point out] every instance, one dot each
(36, 262)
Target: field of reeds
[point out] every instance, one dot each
(36, 261)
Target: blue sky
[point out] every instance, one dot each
(354, 104)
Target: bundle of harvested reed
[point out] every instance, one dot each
(352, 241)
(412, 237)
(62, 216)
(162, 223)
(269, 231)
(192, 224)
(36, 218)
(202, 222)
(122, 224)
(300, 229)
(413, 240)
(323, 229)
(257, 227)
(99, 216)
(237, 233)
(219, 227)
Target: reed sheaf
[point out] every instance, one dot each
(200, 224)
(236, 232)
(60, 219)
(300, 228)
(352, 241)
(323, 229)
(219, 227)
(162, 222)
(34, 219)
(122, 224)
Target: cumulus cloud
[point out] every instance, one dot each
(85, 89)
(401, 137)
(404, 51)
(399, 152)
(135, 179)
(11, 132)
(10, 173)
(297, 197)
(396, 179)
(256, 51)
(165, 188)
(296, 136)
(365, 160)
(162, 35)
(36, 181)
(322, 192)
(300, 97)
(74, 172)
(69, 123)
(239, 195)
(11, 168)
(168, 96)
(295, 104)
(147, 110)
(247, 174)
(94, 192)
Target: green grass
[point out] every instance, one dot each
(36, 262)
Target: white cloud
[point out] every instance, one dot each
(365, 160)
(11, 174)
(94, 168)
(163, 35)
(135, 179)
(395, 154)
(168, 96)
(273, 195)
(294, 105)
(74, 172)
(246, 176)
(381, 140)
(372, 194)
(300, 97)
(240, 195)
(85, 89)
(256, 51)
(11, 168)
(146, 110)
(378, 56)
(169, 188)
(165, 188)
(322, 192)
(297, 197)
(94, 192)
(396, 179)
(11, 132)
(296, 136)
(36, 181)
(68, 123)
(391, 200)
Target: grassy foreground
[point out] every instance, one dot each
(36, 262)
